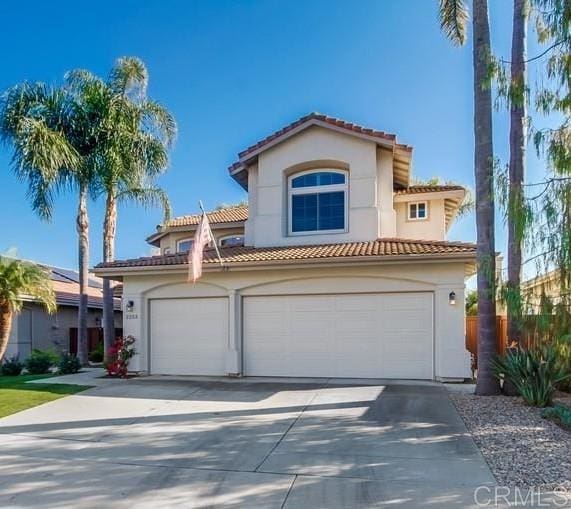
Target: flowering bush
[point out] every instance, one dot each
(119, 354)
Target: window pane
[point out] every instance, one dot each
(412, 214)
(304, 213)
(331, 211)
(422, 210)
(323, 178)
(232, 241)
(184, 246)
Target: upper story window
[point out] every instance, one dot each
(184, 245)
(317, 202)
(231, 241)
(417, 211)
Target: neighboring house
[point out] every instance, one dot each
(338, 268)
(34, 328)
(548, 285)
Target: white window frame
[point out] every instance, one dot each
(230, 237)
(292, 191)
(417, 203)
(178, 242)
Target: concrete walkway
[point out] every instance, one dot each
(164, 443)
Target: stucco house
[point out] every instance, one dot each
(34, 328)
(338, 267)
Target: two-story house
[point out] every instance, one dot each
(337, 267)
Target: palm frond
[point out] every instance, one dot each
(148, 197)
(157, 119)
(20, 280)
(453, 15)
(129, 77)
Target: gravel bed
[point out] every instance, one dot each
(521, 448)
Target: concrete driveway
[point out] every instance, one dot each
(163, 443)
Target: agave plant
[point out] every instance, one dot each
(534, 372)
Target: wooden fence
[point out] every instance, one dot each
(535, 328)
(472, 334)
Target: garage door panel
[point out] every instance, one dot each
(188, 336)
(368, 335)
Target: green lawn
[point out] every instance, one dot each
(16, 395)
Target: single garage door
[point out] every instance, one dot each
(351, 335)
(188, 336)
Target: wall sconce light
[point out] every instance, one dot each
(452, 298)
(97, 321)
(130, 306)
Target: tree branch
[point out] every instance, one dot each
(542, 54)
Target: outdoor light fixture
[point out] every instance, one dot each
(130, 306)
(452, 298)
(97, 321)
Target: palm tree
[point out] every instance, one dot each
(19, 279)
(516, 170)
(54, 140)
(454, 20)
(134, 134)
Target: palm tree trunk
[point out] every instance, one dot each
(517, 161)
(109, 230)
(82, 224)
(6, 315)
(483, 172)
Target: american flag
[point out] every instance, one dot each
(202, 238)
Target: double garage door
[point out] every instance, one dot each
(388, 335)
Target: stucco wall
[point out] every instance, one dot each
(432, 228)
(451, 359)
(34, 328)
(316, 148)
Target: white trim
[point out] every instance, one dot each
(417, 203)
(291, 191)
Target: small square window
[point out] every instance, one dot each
(183, 246)
(417, 210)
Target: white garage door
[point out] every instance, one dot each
(188, 336)
(359, 335)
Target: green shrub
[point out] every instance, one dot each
(534, 372)
(96, 355)
(12, 366)
(559, 414)
(40, 362)
(68, 364)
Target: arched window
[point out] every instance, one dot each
(184, 245)
(231, 241)
(317, 202)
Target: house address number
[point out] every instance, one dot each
(131, 316)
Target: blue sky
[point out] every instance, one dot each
(234, 71)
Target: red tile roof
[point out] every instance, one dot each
(228, 215)
(332, 121)
(67, 294)
(375, 248)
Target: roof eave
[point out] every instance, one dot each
(432, 195)
(112, 272)
(238, 171)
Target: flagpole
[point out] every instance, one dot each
(213, 239)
